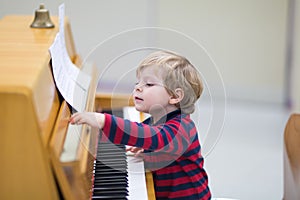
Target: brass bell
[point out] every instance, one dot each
(42, 18)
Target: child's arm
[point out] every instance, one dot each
(170, 137)
(173, 137)
(93, 119)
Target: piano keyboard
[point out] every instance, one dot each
(118, 176)
(110, 172)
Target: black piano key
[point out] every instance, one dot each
(105, 161)
(103, 175)
(103, 170)
(111, 165)
(108, 169)
(117, 180)
(110, 157)
(116, 194)
(107, 189)
(111, 192)
(124, 177)
(110, 185)
(118, 169)
(107, 197)
(110, 153)
(110, 145)
(109, 173)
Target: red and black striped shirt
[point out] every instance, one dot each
(171, 150)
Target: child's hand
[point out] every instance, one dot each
(135, 150)
(93, 119)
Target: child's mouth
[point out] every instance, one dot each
(138, 99)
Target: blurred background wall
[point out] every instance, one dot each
(247, 40)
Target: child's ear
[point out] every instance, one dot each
(179, 94)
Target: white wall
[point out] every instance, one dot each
(245, 39)
(295, 80)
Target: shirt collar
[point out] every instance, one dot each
(165, 118)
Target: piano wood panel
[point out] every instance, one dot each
(29, 105)
(292, 158)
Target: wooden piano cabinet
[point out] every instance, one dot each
(292, 158)
(29, 106)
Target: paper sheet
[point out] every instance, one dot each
(72, 83)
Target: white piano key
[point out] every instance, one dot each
(136, 179)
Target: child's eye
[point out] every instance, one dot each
(149, 84)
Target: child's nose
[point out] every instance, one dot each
(138, 87)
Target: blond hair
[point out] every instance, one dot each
(176, 72)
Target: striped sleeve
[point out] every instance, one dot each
(169, 137)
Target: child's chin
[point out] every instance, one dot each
(139, 108)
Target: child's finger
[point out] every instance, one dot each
(134, 149)
(72, 119)
(129, 148)
(139, 153)
(75, 118)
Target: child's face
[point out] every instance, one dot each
(150, 95)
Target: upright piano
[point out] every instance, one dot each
(39, 157)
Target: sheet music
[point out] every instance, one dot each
(72, 83)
